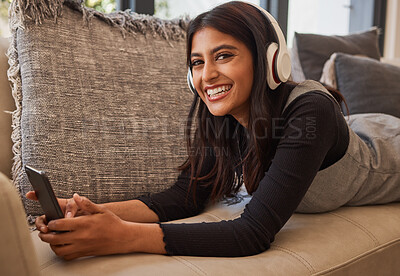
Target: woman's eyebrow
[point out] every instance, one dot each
(216, 49)
(223, 46)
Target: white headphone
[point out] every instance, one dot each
(278, 59)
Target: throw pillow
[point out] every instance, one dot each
(328, 76)
(368, 85)
(102, 100)
(314, 50)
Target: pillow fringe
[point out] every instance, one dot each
(23, 11)
(14, 77)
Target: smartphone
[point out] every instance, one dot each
(45, 194)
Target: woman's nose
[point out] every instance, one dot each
(210, 72)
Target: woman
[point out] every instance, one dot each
(287, 147)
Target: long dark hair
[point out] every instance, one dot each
(219, 134)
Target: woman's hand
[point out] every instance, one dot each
(68, 207)
(99, 232)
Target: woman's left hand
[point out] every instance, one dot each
(100, 232)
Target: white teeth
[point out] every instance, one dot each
(220, 89)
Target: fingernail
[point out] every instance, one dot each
(68, 215)
(78, 197)
(42, 229)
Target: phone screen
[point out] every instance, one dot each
(45, 194)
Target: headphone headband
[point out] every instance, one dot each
(278, 58)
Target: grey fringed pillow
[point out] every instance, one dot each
(102, 100)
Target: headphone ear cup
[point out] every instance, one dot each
(190, 82)
(272, 79)
(283, 67)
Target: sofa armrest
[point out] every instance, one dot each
(6, 104)
(17, 255)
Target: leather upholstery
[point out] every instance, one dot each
(17, 255)
(348, 241)
(6, 104)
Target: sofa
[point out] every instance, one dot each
(100, 105)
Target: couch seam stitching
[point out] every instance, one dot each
(49, 263)
(358, 225)
(186, 262)
(365, 254)
(310, 268)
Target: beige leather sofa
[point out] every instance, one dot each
(348, 241)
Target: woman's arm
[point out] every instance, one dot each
(177, 201)
(132, 210)
(173, 203)
(101, 232)
(122, 227)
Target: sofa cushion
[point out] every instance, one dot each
(369, 86)
(347, 241)
(314, 50)
(17, 254)
(102, 101)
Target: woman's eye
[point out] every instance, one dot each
(223, 56)
(196, 62)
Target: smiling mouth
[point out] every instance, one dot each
(213, 93)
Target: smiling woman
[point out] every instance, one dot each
(287, 144)
(222, 73)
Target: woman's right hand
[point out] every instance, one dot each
(68, 207)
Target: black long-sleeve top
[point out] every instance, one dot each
(315, 136)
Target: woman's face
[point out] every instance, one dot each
(222, 73)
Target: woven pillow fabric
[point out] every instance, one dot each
(314, 50)
(103, 101)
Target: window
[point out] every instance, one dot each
(335, 17)
(327, 17)
(168, 9)
(339, 17)
(4, 30)
(105, 6)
